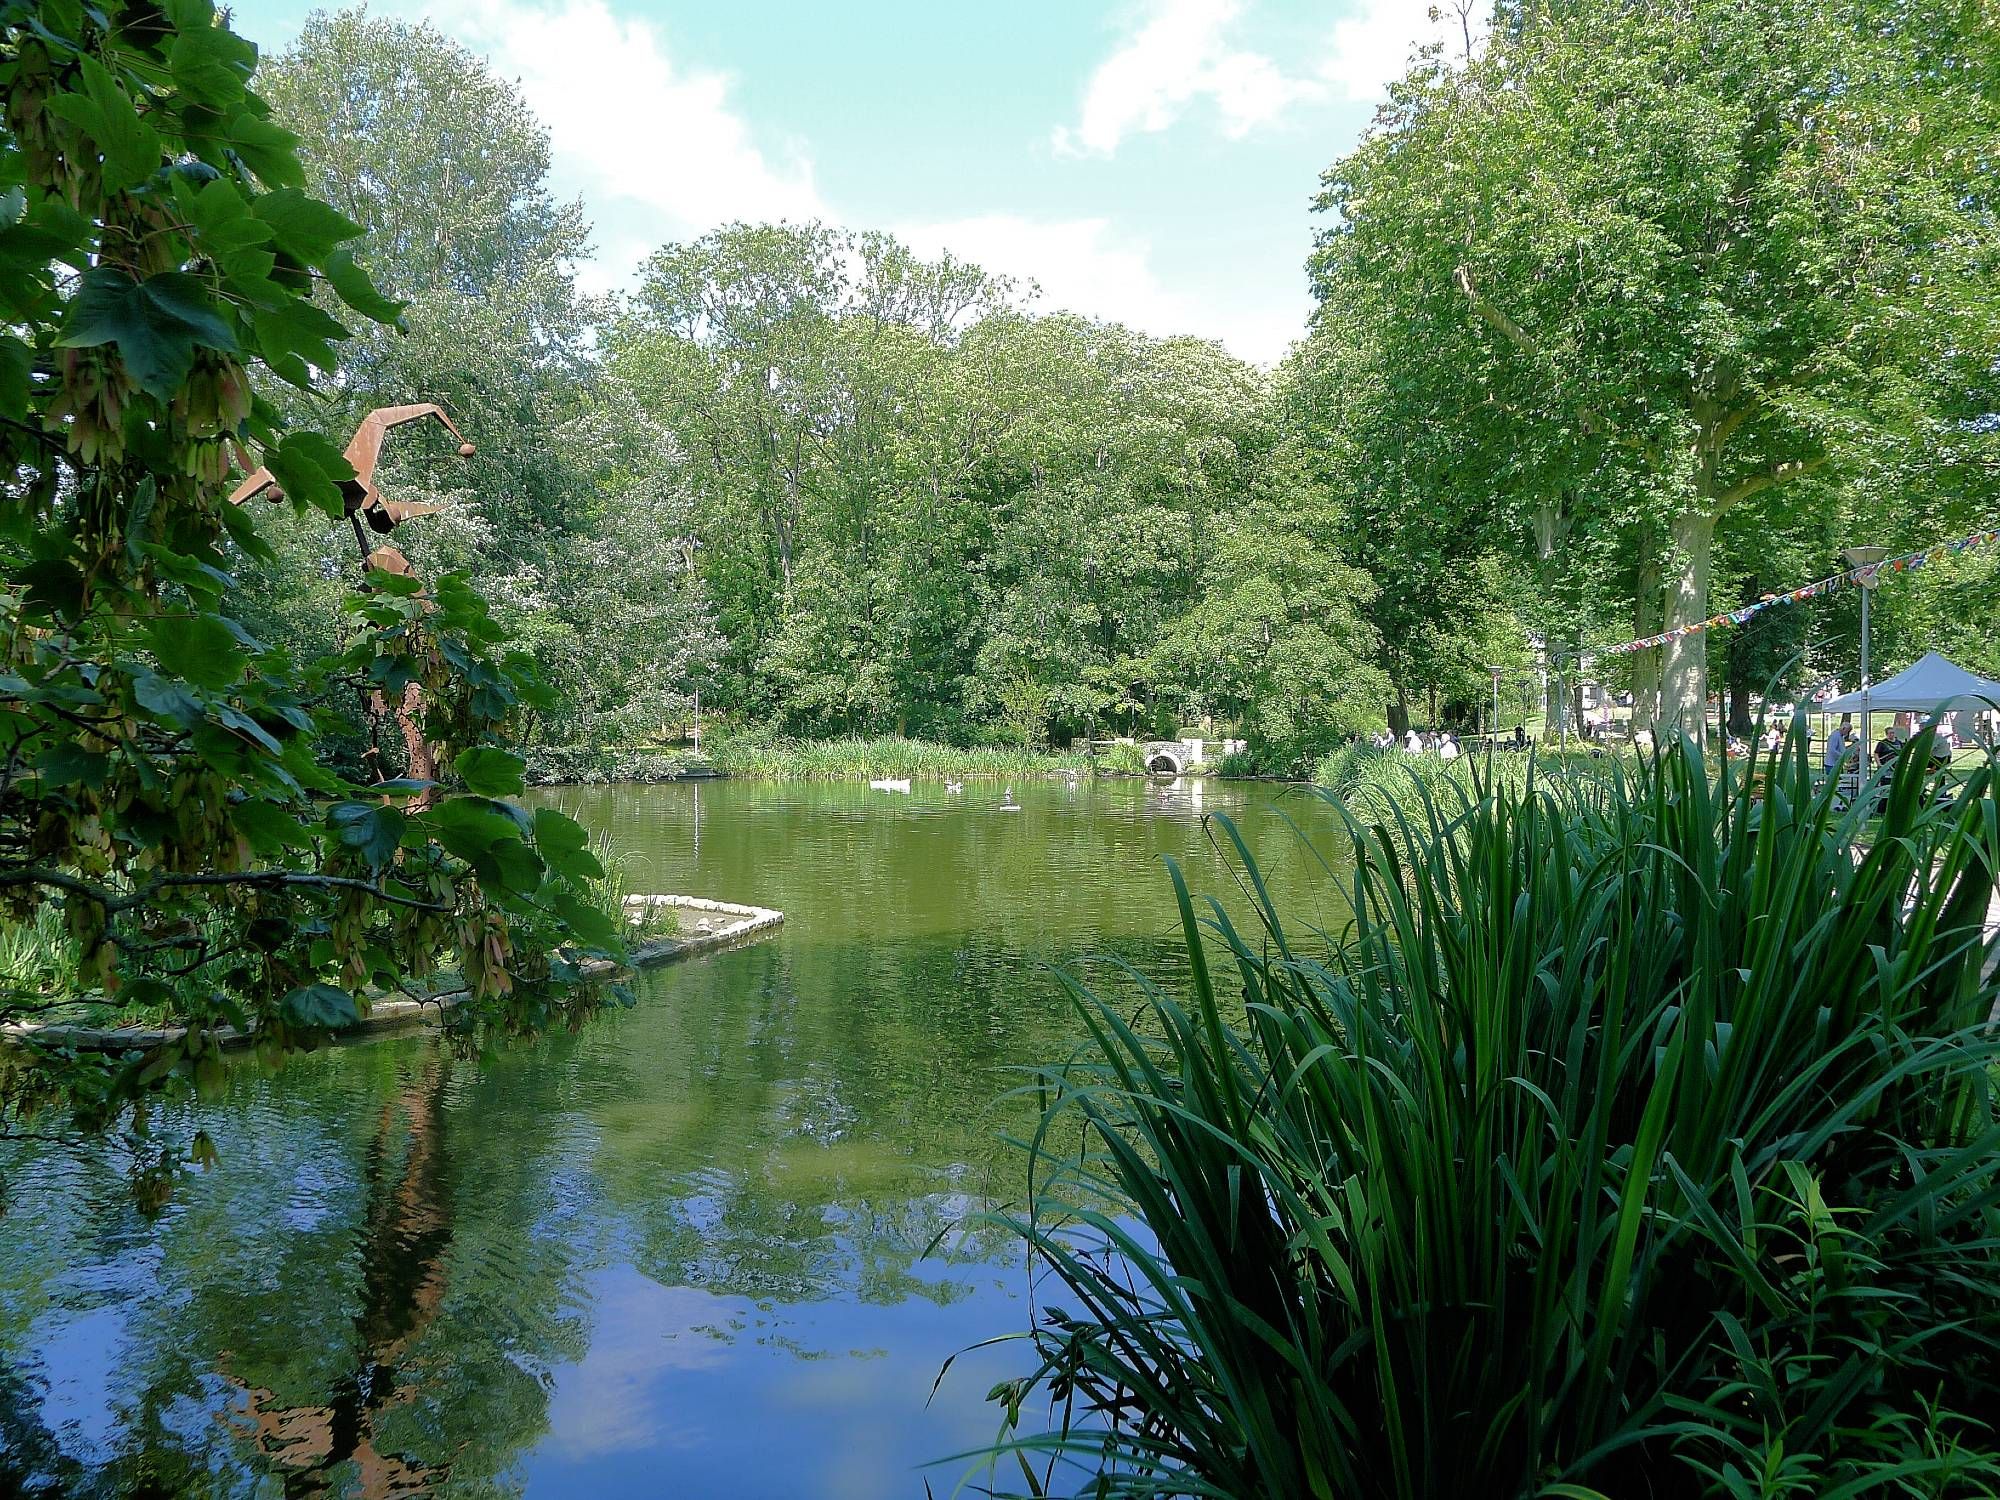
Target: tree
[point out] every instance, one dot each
(1677, 257)
(163, 785)
(568, 512)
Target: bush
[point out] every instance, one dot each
(599, 765)
(1636, 1138)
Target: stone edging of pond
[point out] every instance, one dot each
(385, 1014)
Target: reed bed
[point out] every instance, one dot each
(887, 757)
(1636, 1138)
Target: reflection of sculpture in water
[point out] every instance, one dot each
(405, 1236)
(364, 500)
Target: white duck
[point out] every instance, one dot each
(890, 784)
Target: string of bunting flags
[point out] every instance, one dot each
(1865, 574)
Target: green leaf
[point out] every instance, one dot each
(588, 924)
(201, 650)
(130, 146)
(397, 585)
(210, 65)
(565, 845)
(268, 827)
(71, 765)
(191, 573)
(242, 723)
(51, 584)
(167, 700)
(304, 226)
(490, 772)
(266, 149)
(468, 826)
(301, 328)
(156, 324)
(139, 518)
(374, 829)
(487, 836)
(17, 360)
(358, 291)
(310, 470)
(320, 1006)
(510, 865)
(220, 215)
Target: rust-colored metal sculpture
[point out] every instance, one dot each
(364, 498)
(365, 501)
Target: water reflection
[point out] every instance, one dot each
(405, 1232)
(717, 1244)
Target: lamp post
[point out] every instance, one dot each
(1865, 557)
(1493, 724)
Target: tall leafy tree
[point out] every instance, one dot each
(1668, 263)
(163, 790)
(567, 513)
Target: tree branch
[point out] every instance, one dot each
(1594, 422)
(1744, 489)
(113, 901)
(1495, 317)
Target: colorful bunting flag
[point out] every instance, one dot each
(1867, 574)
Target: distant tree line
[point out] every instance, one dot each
(1628, 313)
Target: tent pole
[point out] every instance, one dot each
(1861, 558)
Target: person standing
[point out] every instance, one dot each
(1839, 743)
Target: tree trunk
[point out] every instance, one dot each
(1738, 720)
(1684, 674)
(1646, 664)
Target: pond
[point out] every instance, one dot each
(721, 1243)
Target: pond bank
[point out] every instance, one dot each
(886, 757)
(701, 930)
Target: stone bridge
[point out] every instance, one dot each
(1178, 757)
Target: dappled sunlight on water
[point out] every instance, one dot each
(720, 1243)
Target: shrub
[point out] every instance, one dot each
(1635, 1138)
(598, 765)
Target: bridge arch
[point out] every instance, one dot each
(1166, 759)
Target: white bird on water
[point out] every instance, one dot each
(952, 788)
(1009, 804)
(890, 784)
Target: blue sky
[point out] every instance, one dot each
(1148, 160)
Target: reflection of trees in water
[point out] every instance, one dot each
(31, 1459)
(406, 1230)
(803, 1122)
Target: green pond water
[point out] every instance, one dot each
(719, 1244)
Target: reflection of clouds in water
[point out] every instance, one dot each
(316, 1195)
(83, 1354)
(612, 1401)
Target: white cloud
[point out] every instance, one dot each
(1372, 46)
(659, 151)
(641, 136)
(1179, 55)
(1086, 266)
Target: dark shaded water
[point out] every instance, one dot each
(716, 1245)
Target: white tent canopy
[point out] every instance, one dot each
(1930, 685)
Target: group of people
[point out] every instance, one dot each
(1845, 741)
(1443, 743)
(1439, 742)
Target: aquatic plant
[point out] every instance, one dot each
(1636, 1137)
(886, 756)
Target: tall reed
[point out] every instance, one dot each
(1636, 1138)
(886, 756)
